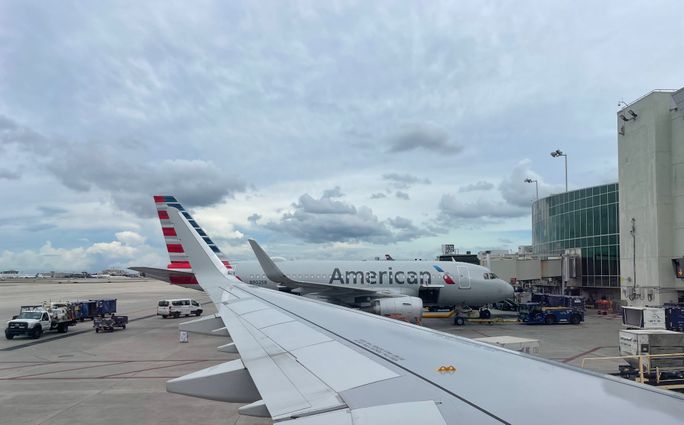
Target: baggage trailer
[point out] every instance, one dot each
(107, 324)
(653, 356)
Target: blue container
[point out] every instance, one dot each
(674, 317)
(105, 306)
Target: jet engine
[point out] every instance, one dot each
(408, 309)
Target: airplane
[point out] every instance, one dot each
(306, 362)
(392, 288)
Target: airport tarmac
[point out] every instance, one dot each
(119, 378)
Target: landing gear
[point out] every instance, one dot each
(459, 321)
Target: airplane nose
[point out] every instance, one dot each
(506, 289)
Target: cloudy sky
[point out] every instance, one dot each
(322, 129)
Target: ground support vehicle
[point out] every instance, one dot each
(653, 356)
(33, 320)
(603, 307)
(555, 300)
(537, 314)
(107, 324)
(178, 307)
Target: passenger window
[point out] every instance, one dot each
(195, 303)
(186, 302)
(177, 303)
(45, 317)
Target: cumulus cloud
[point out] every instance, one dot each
(404, 181)
(478, 186)
(127, 250)
(378, 195)
(254, 218)
(119, 171)
(422, 136)
(402, 195)
(518, 193)
(328, 220)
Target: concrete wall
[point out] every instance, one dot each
(651, 172)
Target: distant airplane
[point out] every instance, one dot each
(396, 288)
(304, 362)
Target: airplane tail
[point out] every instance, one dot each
(209, 270)
(177, 255)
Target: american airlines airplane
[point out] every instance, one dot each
(305, 362)
(390, 288)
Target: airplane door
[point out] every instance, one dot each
(463, 277)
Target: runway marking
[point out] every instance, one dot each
(569, 359)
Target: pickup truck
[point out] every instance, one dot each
(32, 321)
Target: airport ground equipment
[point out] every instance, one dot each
(652, 356)
(107, 324)
(674, 317)
(643, 317)
(90, 309)
(537, 314)
(554, 300)
(33, 320)
(603, 307)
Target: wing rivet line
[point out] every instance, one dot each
(446, 369)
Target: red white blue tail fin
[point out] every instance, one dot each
(177, 256)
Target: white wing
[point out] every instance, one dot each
(308, 362)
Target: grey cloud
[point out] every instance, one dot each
(9, 175)
(335, 192)
(51, 211)
(480, 185)
(378, 195)
(254, 218)
(118, 171)
(326, 220)
(403, 181)
(516, 192)
(450, 208)
(402, 195)
(423, 136)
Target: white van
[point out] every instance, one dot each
(179, 307)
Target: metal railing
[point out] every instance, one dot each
(647, 374)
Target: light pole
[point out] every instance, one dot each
(556, 154)
(536, 185)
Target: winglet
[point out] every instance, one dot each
(208, 269)
(272, 271)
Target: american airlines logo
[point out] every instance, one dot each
(447, 279)
(387, 277)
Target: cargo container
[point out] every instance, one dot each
(644, 317)
(674, 317)
(635, 342)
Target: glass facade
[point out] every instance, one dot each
(587, 219)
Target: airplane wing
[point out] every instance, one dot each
(304, 362)
(161, 274)
(274, 273)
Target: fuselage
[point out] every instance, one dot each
(441, 283)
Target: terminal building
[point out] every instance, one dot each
(651, 172)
